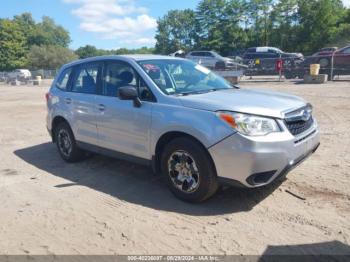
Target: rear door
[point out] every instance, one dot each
(195, 56)
(210, 60)
(86, 82)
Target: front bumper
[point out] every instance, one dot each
(257, 161)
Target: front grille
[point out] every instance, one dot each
(300, 126)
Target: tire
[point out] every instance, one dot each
(329, 77)
(195, 164)
(63, 136)
(220, 65)
(289, 75)
(324, 62)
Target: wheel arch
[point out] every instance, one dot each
(165, 139)
(55, 122)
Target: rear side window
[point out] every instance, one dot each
(251, 50)
(346, 51)
(208, 54)
(62, 82)
(197, 54)
(250, 56)
(87, 78)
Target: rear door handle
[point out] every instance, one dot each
(101, 107)
(68, 100)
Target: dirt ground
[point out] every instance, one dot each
(107, 206)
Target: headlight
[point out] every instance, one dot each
(249, 125)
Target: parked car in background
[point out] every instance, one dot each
(268, 52)
(19, 74)
(211, 60)
(189, 124)
(179, 53)
(3, 76)
(262, 61)
(325, 50)
(340, 58)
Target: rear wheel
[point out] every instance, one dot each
(66, 143)
(188, 170)
(324, 62)
(289, 75)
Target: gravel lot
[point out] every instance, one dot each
(107, 206)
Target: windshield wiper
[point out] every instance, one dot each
(200, 91)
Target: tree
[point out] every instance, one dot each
(48, 33)
(220, 25)
(176, 30)
(12, 45)
(341, 36)
(27, 25)
(259, 13)
(50, 57)
(318, 23)
(88, 51)
(284, 24)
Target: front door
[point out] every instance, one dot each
(122, 127)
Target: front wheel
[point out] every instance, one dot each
(188, 170)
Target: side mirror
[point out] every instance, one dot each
(129, 93)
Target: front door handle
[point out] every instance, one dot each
(101, 107)
(68, 100)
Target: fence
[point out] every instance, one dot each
(8, 77)
(335, 65)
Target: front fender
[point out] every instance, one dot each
(204, 125)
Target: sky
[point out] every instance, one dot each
(106, 24)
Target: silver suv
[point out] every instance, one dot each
(211, 60)
(189, 124)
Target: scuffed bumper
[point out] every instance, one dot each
(257, 161)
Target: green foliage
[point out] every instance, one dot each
(176, 30)
(125, 51)
(88, 51)
(227, 25)
(283, 32)
(50, 56)
(318, 22)
(91, 51)
(48, 33)
(12, 45)
(219, 23)
(20, 34)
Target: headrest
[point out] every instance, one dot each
(126, 77)
(88, 81)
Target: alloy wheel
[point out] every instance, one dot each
(183, 171)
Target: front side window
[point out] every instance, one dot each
(117, 74)
(62, 82)
(182, 77)
(87, 78)
(346, 51)
(120, 74)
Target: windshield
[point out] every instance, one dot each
(217, 55)
(182, 77)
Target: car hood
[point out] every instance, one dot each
(251, 101)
